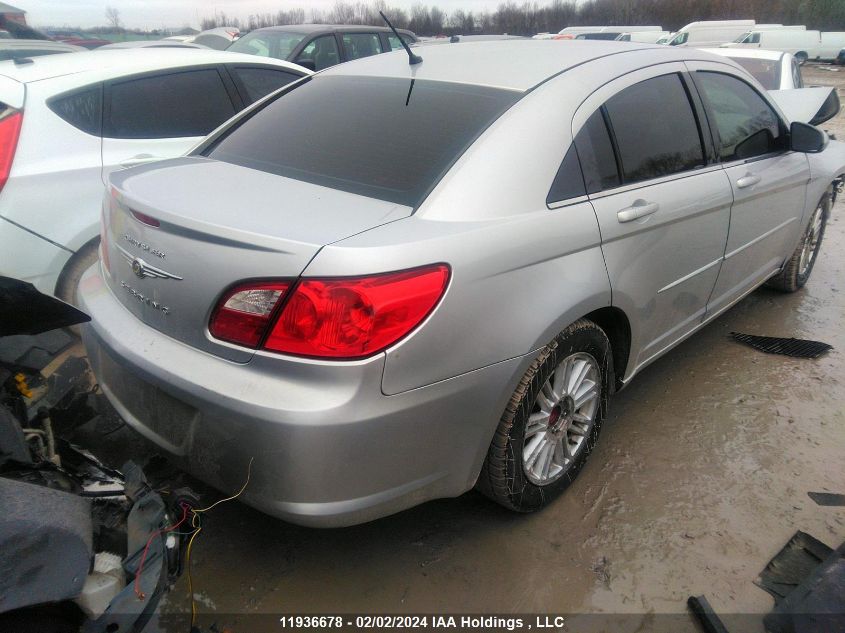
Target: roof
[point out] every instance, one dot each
(8, 8)
(329, 28)
(510, 64)
(102, 65)
(39, 44)
(747, 53)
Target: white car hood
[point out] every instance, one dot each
(807, 105)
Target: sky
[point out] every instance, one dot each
(150, 14)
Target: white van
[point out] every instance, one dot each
(831, 43)
(571, 32)
(711, 32)
(646, 37)
(803, 45)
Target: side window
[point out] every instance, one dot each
(256, 45)
(595, 151)
(358, 45)
(395, 43)
(82, 109)
(755, 38)
(168, 106)
(321, 52)
(746, 124)
(655, 129)
(259, 82)
(569, 182)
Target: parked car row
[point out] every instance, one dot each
(68, 121)
(794, 39)
(395, 279)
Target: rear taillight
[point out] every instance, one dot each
(342, 318)
(10, 129)
(243, 314)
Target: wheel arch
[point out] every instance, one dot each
(616, 325)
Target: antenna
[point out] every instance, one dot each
(412, 59)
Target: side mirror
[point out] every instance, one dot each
(806, 138)
(307, 63)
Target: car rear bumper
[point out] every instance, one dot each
(328, 447)
(29, 257)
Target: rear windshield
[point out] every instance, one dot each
(385, 138)
(766, 71)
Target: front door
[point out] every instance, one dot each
(768, 182)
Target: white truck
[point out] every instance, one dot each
(712, 33)
(572, 32)
(831, 43)
(803, 44)
(645, 37)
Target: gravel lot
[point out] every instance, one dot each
(701, 475)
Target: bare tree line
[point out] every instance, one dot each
(528, 18)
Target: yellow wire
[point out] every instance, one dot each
(190, 578)
(195, 524)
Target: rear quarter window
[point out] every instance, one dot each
(385, 138)
(257, 83)
(83, 109)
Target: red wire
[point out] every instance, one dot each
(138, 592)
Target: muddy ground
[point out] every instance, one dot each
(701, 475)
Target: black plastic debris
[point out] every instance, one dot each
(792, 564)
(827, 498)
(817, 603)
(710, 622)
(795, 347)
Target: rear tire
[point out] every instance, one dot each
(68, 285)
(526, 480)
(797, 270)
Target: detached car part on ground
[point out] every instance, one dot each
(81, 545)
(392, 282)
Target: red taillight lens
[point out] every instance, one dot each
(357, 316)
(146, 219)
(243, 314)
(346, 318)
(10, 129)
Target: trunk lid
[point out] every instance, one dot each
(219, 224)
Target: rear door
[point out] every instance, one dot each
(163, 114)
(768, 181)
(662, 205)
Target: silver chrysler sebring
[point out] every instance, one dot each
(391, 282)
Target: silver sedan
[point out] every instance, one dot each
(391, 282)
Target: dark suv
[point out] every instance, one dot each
(318, 46)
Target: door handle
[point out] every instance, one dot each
(140, 159)
(748, 180)
(636, 211)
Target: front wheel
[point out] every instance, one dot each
(552, 421)
(797, 270)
